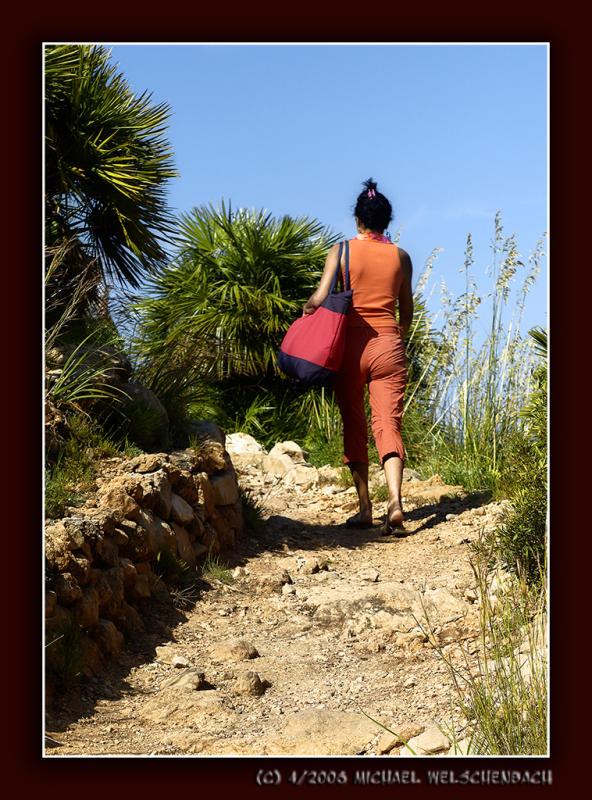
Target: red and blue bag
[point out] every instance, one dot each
(313, 347)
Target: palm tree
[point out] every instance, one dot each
(107, 162)
(238, 281)
(212, 321)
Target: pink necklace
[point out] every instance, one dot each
(378, 237)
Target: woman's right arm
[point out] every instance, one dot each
(315, 300)
(405, 294)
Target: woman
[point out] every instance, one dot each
(380, 277)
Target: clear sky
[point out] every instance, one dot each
(451, 133)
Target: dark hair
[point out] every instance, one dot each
(372, 208)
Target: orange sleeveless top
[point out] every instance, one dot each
(375, 277)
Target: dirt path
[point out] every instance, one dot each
(327, 618)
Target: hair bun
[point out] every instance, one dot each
(370, 184)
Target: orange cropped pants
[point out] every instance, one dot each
(373, 356)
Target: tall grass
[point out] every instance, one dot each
(468, 397)
(500, 682)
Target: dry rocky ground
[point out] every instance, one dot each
(318, 629)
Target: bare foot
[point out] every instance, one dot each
(359, 520)
(395, 513)
(394, 520)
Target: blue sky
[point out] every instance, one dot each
(451, 133)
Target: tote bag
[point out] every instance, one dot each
(312, 349)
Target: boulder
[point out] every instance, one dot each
(181, 511)
(184, 548)
(207, 493)
(205, 430)
(224, 489)
(283, 457)
(109, 639)
(67, 589)
(86, 611)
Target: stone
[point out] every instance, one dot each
(148, 462)
(116, 595)
(184, 548)
(187, 487)
(107, 637)
(314, 564)
(164, 497)
(207, 493)
(236, 650)
(106, 552)
(191, 679)
(165, 536)
(204, 430)
(462, 748)
(181, 511)
(431, 492)
(441, 604)
(199, 549)
(369, 574)
(141, 588)
(117, 497)
(249, 683)
(328, 475)
(51, 599)
(130, 622)
(271, 582)
(410, 475)
(306, 477)
(180, 661)
(224, 489)
(143, 543)
(93, 658)
(241, 443)
(397, 735)
(86, 611)
(323, 732)
(67, 589)
(432, 740)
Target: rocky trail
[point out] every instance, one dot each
(317, 632)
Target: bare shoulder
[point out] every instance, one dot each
(405, 260)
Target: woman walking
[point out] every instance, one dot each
(380, 277)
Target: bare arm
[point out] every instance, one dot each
(405, 294)
(322, 290)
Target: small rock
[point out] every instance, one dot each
(180, 661)
(249, 683)
(370, 574)
(237, 650)
(430, 741)
(409, 682)
(288, 589)
(190, 679)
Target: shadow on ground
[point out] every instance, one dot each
(278, 533)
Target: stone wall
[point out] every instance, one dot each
(99, 558)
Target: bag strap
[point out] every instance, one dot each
(334, 284)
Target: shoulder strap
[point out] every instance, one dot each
(334, 284)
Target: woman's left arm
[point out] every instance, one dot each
(315, 300)
(405, 294)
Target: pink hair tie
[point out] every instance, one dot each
(371, 193)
